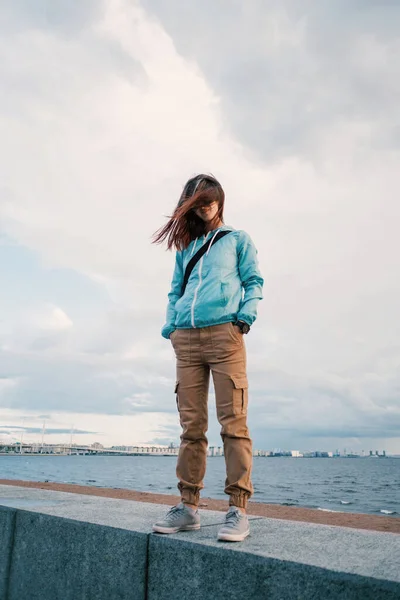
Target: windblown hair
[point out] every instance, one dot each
(184, 225)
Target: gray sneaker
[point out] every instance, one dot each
(178, 518)
(236, 526)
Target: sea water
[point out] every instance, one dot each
(361, 485)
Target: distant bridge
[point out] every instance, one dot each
(68, 449)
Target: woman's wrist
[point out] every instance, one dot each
(243, 326)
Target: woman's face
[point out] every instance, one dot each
(207, 212)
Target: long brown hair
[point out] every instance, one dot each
(184, 225)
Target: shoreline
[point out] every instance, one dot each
(272, 511)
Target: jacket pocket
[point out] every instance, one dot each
(224, 293)
(240, 394)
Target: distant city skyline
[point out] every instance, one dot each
(211, 448)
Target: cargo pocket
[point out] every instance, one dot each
(240, 394)
(177, 402)
(177, 394)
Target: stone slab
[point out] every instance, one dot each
(279, 560)
(7, 522)
(57, 558)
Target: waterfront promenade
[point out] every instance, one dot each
(97, 544)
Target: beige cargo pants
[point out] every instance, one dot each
(221, 349)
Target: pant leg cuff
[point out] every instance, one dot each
(190, 498)
(239, 501)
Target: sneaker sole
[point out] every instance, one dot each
(230, 537)
(159, 529)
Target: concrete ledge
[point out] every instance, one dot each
(67, 546)
(202, 572)
(280, 560)
(60, 558)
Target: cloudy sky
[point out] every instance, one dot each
(107, 107)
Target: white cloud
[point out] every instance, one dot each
(7, 384)
(56, 319)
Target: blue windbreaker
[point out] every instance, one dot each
(225, 284)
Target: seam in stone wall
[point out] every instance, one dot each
(147, 567)
(10, 555)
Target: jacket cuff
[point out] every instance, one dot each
(167, 330)
(249, 319)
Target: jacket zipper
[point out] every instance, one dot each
(198, 287)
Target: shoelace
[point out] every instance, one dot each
(172, 512)
(232, 518)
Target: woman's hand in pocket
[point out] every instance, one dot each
(237, 329)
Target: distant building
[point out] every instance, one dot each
(296, 453)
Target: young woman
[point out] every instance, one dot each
(207, 317)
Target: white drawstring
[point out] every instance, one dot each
(205, 238)
(194, 246)
(211, 242)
